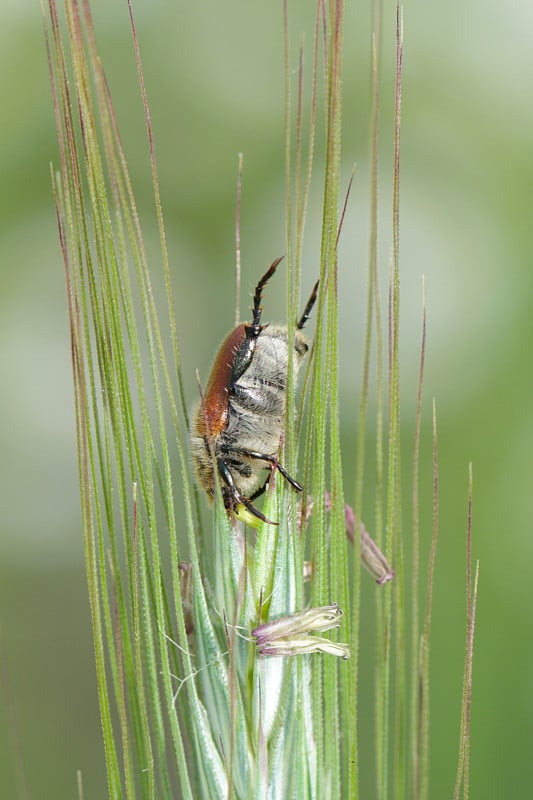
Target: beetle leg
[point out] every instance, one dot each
(236, 496)
(245, 354)
(256, 309)
(253, 510)
(308, 308)
(262, 489)
(273, 461)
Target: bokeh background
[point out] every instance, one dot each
(214, 75)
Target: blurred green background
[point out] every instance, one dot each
(214, 75)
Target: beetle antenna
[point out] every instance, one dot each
(256, 309)
(309, 307)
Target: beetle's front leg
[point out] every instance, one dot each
(238, 498)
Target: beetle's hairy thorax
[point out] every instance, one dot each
(254, 412)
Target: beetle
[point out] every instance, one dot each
(238, 425)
